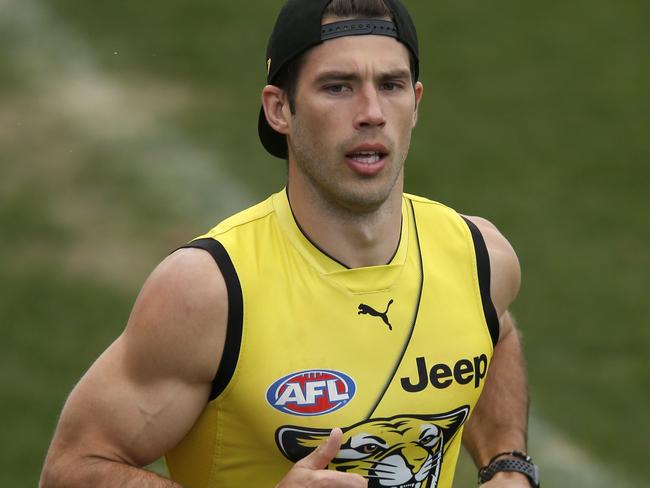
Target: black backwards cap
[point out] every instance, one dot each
(298, 28)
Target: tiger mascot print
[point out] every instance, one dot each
(404, 451)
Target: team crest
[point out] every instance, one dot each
(311, 392)
(404, 451)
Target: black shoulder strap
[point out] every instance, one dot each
(483, 267)
(235, 312)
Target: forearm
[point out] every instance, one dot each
(499, 422)
(102, 473)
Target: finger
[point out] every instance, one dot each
(339, 480)
(321, 457)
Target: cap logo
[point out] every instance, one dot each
(268, 66)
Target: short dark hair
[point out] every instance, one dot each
(287, 78)
(367, 9)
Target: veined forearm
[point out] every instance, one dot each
(103, 474)
(500, 419)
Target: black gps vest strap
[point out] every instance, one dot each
(483, 268)
(235, 313)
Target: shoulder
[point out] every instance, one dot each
(144, 393)
(432, 212)
(180, 315)
(243, 219)
(424, 202)
(505, 272)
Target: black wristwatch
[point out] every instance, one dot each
(522, 464)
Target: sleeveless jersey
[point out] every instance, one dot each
(395, 355)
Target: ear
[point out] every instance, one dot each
(419, 89)
(276, 108)
(297, 442)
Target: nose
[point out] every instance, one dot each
(370, 114)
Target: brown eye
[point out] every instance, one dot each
(369, 448)
(337, 89)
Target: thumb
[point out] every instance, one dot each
(321, 457)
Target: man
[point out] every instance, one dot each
(337, 334)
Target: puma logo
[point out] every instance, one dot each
(368, 310)
(404, 451)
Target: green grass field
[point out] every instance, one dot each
(127, 128)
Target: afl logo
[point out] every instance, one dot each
(312, 392)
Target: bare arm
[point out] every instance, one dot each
(146, 390)
(499, 422)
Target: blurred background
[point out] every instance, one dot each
(127, 128)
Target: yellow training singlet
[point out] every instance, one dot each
(395, 355)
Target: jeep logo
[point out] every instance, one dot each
(441, 375)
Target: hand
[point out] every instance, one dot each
(310, 471)
(507, 479)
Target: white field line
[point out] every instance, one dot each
(60, 67)
(57, 63)
(564, 464)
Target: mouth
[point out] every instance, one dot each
(366, 157)
(367, 161)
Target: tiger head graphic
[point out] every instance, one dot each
(404, 451)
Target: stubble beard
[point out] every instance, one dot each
(331, 181)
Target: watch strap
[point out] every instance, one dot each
(523, 466)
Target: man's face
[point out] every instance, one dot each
(355, 110)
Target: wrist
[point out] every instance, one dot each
(510, 465)
(520, 479)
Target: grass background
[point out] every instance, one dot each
(535, 116)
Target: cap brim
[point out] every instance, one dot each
(274, 142)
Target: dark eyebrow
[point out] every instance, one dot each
(327, 76)
(398, 74)
(336, 76)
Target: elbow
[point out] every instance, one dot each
(56, 474)
(49, 479)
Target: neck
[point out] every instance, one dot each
(352, 237)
